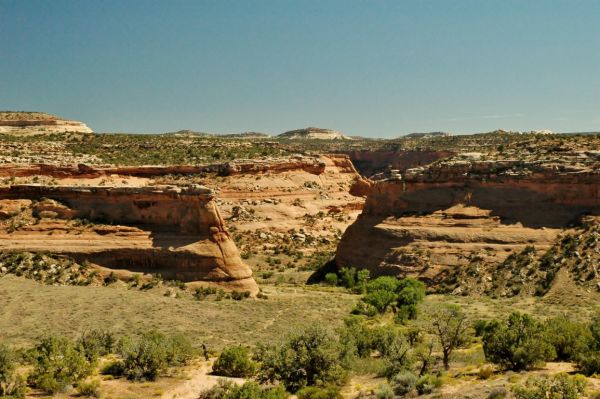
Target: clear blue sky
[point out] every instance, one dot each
(373, 68)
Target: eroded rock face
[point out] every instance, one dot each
(433, 219)
(38, 123)
(314, 133)
(177, 232)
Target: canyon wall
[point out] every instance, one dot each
(177, 232)
(433, 219)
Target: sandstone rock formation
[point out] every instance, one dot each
(313, 133)
(38, 123)
(433, 219)
(176, 232)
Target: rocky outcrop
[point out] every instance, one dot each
(313, 133)
(300, 163)
(176, 232)
(371, 163)
(430, 220)
(38, 123)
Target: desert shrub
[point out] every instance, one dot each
(11, 384)
(96, 343)
(147, 356)
(113, 368)
(249, 390)
(485, 372)
(400, 357)
(234, 362)
(560, 385)
(110, 279)
(404, 383)
(588, 361)
(384, 391)
(569, 338)
(347, 277)
(427, 383)
(57, 363)
(480, 326)
(362, 279)
(517, 343)
(202, 292)
(331, 279)
(363, 308)
(328, 392)
(365, 340)
(239, 295)
(308, 358)
(89, 388)
(498, 393)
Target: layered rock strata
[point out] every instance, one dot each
(38, 123)
(176, 232)
(433, 219)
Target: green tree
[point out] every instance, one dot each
(449, 324)
(234, 362)
(410, 293)
(57, 363)
(588, 361)
(311, 357)
(569, 338)
(380, 299)
(147, 356)
(517, 343)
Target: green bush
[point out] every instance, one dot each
(409, 293)
(518, 343)
(311, 357)
(11, 384)
(239, 295)
(329, 392)
(588, 361)
(384, 391)
(57, 363)
(250, 390)
(89, 388)
(147, 356)
(331, 279)
(380, 299)
(96, 343)
(234, 362)
(569, 339)
(427, 383)
(404, 383)
(202, 292)
(561, 386)
(347, 277)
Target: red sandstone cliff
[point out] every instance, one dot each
(177, 232)
(437, 218)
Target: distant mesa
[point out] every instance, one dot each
(314, 133)
(502, 131)
(426, 135)
(244, 135)
(24, 122)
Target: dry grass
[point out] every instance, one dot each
(29, 309)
